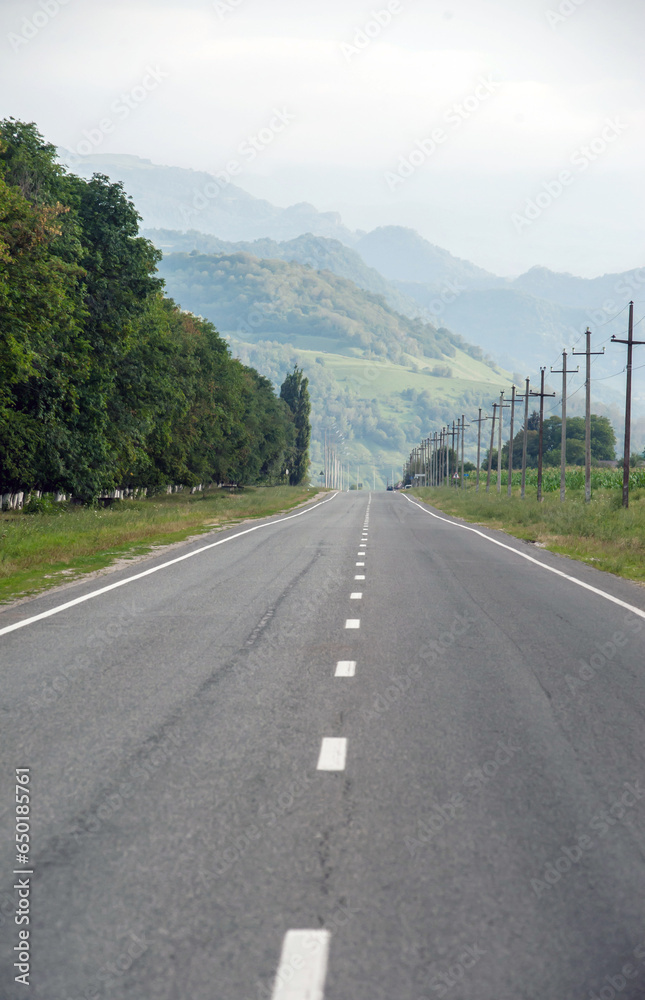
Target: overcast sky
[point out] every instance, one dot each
(529, 113)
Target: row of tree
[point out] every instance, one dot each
(104, 382)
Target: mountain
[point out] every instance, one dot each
(180, 198)
(612, 290)
(295, 304)
(318, 252)
(377, 378)
(401, 254)
(523, 322)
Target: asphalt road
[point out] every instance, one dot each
(459, 812)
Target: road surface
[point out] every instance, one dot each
(361, 753)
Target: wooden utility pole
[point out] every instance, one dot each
(525, 436)
(541, 394)
(563, 442)
(514, 399)
(502, 406)
(490, 450)
(631, 343)
(479, 421)
(463, 426)
(588, 352)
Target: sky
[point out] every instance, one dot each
(509, 132)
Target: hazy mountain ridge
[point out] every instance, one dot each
(318, 252)
(293, 303)
(181, 198)
(525, 321)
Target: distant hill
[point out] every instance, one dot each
(179, 198)
(259, 298)
(403, 255)
(583, 293)
(378, 378)
(318, 252)
(523, 322)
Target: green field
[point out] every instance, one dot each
(38, 551)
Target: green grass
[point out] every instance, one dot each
(38, 551)
(601, 532)
(385, 377)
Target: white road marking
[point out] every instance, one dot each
(345, 668)
(360, 564)
(357, 596)
(359, 576)
(303, 966)
(531, 559)
(333, 752)
(155, 569)
(353, 623)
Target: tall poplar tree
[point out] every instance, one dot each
(295, 392)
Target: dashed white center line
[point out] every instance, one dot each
(333, 752)
(353, 623)
(359, 576)
(356, 596)
(345, 668)
(303, 966)
(360, 564)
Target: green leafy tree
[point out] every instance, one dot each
(294, 390)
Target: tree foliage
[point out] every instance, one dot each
(104, 383)
(294, 391)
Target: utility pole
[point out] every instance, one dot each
(479, 421)
(445, 438)
(631, 343)
(463, 426)
(502, 406)
(541, 394)
(514, 399)
(588, 352)
(490, 450)
(525, 436)
(563, 443)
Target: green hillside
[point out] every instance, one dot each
(378, 380)
(376, 410)
(318, 252)
(295, 304)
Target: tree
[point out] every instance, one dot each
(294, 390)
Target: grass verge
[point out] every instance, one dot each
(601, 532)
(38, 551)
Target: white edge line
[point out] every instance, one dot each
(523, 555)
(155, 569)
